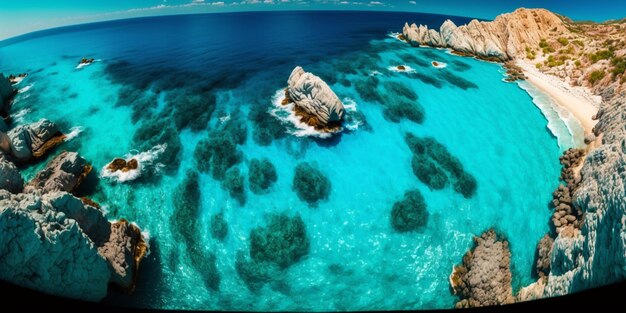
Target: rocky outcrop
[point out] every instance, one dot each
(10, 178)
(484, 278)
(501, 39)
(314, 102)
(64, 173)
(565, 212)
(120, 164)
(57, 244)
(596, 255)
(6, 94)
(26, 142)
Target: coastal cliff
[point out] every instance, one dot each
(587, 246)
(53, 241)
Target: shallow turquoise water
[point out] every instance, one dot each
(356, 260)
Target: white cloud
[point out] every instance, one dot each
(218, 3)
(344, 2)
(197, 1)
(412, 2)
(268, 1)
(376, 3)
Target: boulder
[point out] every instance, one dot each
(10, 178)
(33, 140)
(484, 278)
(57, 244)
(313, 96)
(63, 173)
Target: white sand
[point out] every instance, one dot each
(580, 102)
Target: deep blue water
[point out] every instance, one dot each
(162, 86)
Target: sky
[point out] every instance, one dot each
(23, 16)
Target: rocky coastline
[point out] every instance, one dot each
(585, 247)
(54, 241)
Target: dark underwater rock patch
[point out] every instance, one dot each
(410, 58)
(261, 175)
(283, 241)
(219, 226)
(266, 127)
(460, 65)
(368, 89)
(141, 103)
(456, 80)
(158, 131)
(410, 213)
(310, 184)
(400, 89)
(191, 110)
(218, 152)
(233, 183)
(253, 273)
(431, 158)
(399, 109)
(426, 79)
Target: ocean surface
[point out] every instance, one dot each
(161, 86)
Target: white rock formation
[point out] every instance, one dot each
(57, 244)
(10, 178)
(27, 141)
(312, 94)
(502, 39)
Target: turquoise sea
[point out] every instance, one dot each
(162, 86)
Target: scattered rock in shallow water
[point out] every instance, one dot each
(63, 173)
(261, 175)
(315, 103)
(409, 214)
(219, 227)
(484, 278)
(310, 184)
(122, 165)
(283, 241)
(565, 213)
(233, 182)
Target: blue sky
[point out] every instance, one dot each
(23, 16)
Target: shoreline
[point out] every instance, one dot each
(576, 100)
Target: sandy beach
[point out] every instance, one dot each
(577, 100)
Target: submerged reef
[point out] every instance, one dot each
(484, 278)
(410, 213)
(219, 226)
(266, 127)
(218, 152)
(433, 164)
(233, 182)
(310, 184)
(157, 131)
(401, 102)
(191, 110)
(184, 221)
(261, 175)
(283, 241)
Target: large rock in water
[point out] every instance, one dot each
(313, 95)
(501, 39)
(32, 140)
(58, 245)
(484, 278)
(64, 173)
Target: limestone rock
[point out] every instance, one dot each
(57, 244)
(10, 178)
(63, 173)
(501, 39)
(544, 251)
(33, 140)
(484, 278)
(312, 94)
